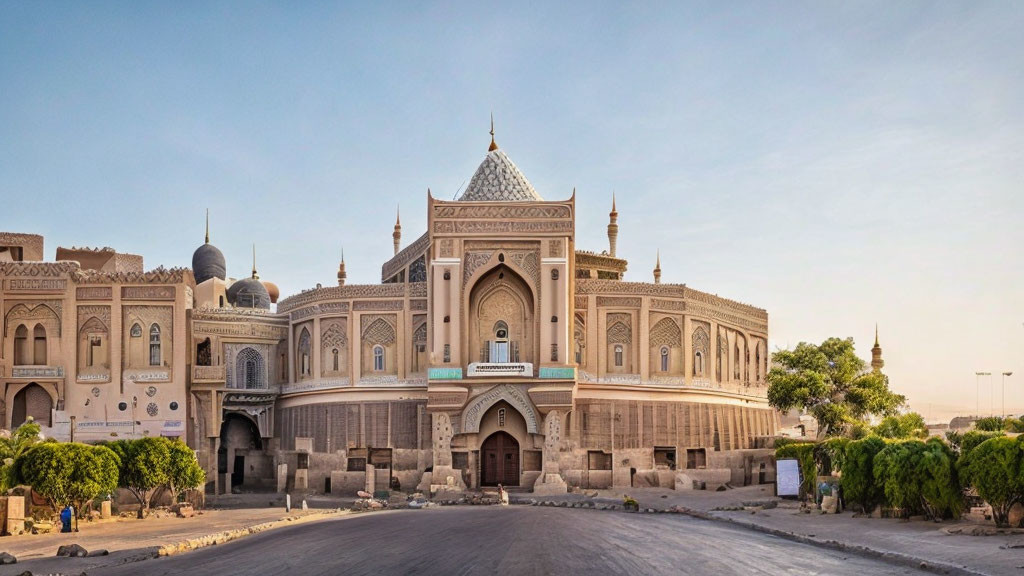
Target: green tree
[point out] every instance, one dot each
(831, 383)
(68, 473)
(183, 470)
(989, 424)
(973, 438)
(909, 425)
(1015, 425)
(13, 446)
(920, 476)
(994, 469)
(858, 479)
(144, 465)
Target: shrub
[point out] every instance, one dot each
(909, 425)
(919, 476)
(70, 473)
(1015, 425)
(804, 454)
(989, 424)
(858, 480)
(993, 468)
(830, 454)
(143, 467)
(972, 438)
(20, 441)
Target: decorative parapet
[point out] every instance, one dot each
(405, 257)
(313, 385)
(346, 292)
(390, 380)
(506, 369)
(37, 372)
(444, 373)
(215, 373)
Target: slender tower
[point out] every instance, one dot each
(876, 354)
(657, 269)
(207, 225)
(494, 145)
(613, 228)
(341, 269)
(397, 234)
(254, 274)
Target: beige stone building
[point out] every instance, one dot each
(492, 351)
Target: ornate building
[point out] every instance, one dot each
(493, 351)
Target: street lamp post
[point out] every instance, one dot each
(1005, 374)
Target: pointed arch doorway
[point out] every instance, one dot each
(499, 464)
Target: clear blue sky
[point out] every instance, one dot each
(838, 163)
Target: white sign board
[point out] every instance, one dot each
(787, 477)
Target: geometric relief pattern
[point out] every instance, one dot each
(420, 334)
(619, 331)
(378, 330)
(246, 364)
(333, 334)
(666, 333)
(701, 340)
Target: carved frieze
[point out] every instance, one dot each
(333, 334)
(94, 293)
(500, 226)
(371, 305)
(244, 329)
(378, 328)
(580, 302)
(418, 305)
(555, 248)
(514, 395)
(101, 313)
(37, 284)
(446, 248)
(147, 292)
(501, 211)
(346, 292)
(618, 302)
(662, 304)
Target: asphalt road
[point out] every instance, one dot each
(511, 540)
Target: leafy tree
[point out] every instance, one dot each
(144, 466)
(858, 479)
(830, 454)
(13, 446)
(972, 438)
(994, 469)
(1015, 425)
(831, 383)
(941, 489)
(68, 473)
(909, 425)
(989, 424)
(896, 470)
(183, 470)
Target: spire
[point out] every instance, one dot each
(657, 269)
(494, 145)
(876, 354)
(396, 236)
(341, 269)
(207, 225)
(613, 228)
(254, 274)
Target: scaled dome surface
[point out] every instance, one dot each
(249, 293)
(208, 262)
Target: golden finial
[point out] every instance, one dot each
(494, 145)
(254, 274)
(876, 334)
(207, 225)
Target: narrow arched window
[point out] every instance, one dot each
(664, 358)
(21, 356)
(250, 374)
(39, 345)
(335, 355)
(136, 331)
(154, 345)
(698, 364)
(378, 358)
(618, 355)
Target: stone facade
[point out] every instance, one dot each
(493, 351)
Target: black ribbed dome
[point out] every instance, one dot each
(208, 262)
(249, 293)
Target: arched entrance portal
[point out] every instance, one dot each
(238, 435)
(500, 465)
(32, 401)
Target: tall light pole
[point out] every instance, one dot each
(1005, 374)
(977, 381)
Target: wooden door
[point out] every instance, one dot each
(500, 460)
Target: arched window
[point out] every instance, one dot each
(499, 346)
(250, 374)
(136, 331)
(335, 359)
(39, 345)
(618, 355)
(154, 345)
(304, 352)
(698, 364)
(21, 354)
(378, 358)
(664, 358)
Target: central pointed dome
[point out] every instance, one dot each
(498, 180)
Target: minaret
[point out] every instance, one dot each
(207, 225)
(613, 228)
(397, 234)
(341, 269)
(657, 269)
(254, 274)
(876, 354)
(494, 145)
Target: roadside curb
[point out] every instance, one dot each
(888, 556)
(197, 543)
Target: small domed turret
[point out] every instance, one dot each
(250, 292)
(208, 261)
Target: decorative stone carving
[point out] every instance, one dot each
(514, 395)
(666, 333)
(346, 292)
(101, 313)
(94, 293)
(501, 227)
(46, 312)
(37, 284)
(333, 334)
(238, 358)
(580, 302)
(617, 302)
(555, 248)
(663, 304)
(378, 329)
(147, 292)
(501, 211)
(447, 248)
(620, 329)
(442, 439)
(365, 305)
